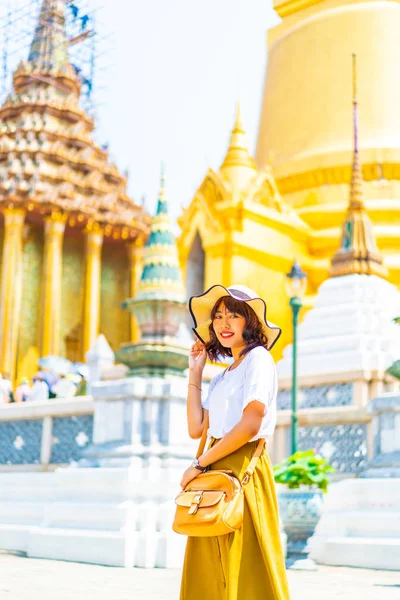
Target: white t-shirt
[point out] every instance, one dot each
(229, 393)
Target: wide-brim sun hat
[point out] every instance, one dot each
(201, 306)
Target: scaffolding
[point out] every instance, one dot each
(18, 23)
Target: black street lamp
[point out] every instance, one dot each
(296, 287)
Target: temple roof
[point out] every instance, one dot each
(161, 275)
(49, 161)
(358, 252)
(239, 191)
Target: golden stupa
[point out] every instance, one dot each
(71, 237)
(249, 221)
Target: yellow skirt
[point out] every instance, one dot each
(248, 564)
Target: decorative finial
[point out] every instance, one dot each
(49, 48)
(238, 127)
(358, 252)
(238, 153)
(162, 180)
(356, 193)
(162, 206)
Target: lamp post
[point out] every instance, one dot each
(296, 287)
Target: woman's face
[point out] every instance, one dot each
(228, 327)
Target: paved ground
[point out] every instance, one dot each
(34, 579)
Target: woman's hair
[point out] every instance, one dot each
(253, 333)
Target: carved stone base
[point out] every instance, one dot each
(387, 465)
(385, 411)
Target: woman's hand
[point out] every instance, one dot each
(188, 475)
(197, 357)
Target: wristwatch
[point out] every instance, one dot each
(196, 465)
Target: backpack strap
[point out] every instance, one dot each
(203, 438)
(252, 464)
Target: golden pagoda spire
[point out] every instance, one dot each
(238, 166)
(238, 153)
(358, 252)
(49, 48)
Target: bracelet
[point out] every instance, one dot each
(196, 386)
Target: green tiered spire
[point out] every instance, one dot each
(161, 275)
(160, 305)
(49, 48)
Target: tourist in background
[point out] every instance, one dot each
(23, 391)
(6, 394)
(240, 409)
(66, 386)
(40, 390)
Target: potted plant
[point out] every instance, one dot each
(306, 477)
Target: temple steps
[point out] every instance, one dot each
(111, 548)
(370, 523)
(99, 516)
(89, 516)
(360, 525)
(363, 552)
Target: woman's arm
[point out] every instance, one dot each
(196, 415)
(248, 426)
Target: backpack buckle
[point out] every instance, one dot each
(194, 507)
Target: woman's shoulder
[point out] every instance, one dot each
(260, 354)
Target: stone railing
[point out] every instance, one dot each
(43, 435)
(342, 434)
(333, 418)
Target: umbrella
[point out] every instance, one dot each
(48, 377)
(56, 364)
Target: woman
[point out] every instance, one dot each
(240, 409)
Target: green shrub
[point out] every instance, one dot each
(304, 468)
(394, 369)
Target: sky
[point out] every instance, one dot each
(167, 81)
